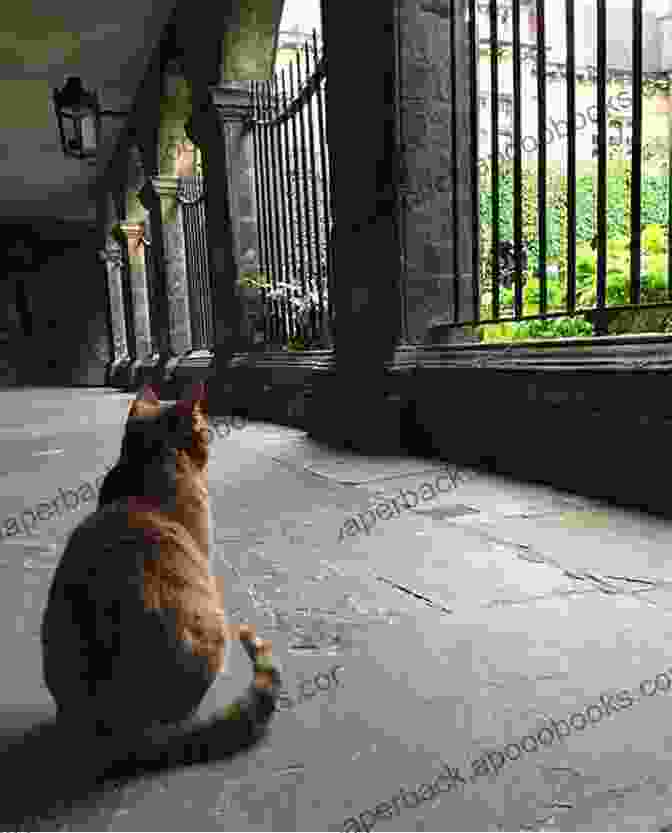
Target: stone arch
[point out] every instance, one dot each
(228, 41)
(175, 111)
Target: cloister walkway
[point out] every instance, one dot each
(456, 631)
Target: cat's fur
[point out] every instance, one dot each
(134, 633)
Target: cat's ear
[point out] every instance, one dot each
(193, 399)
(146, 394)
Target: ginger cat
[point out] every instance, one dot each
(134, 632)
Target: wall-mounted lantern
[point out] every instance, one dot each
(79, 114)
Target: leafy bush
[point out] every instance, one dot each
(654, 239)
(654, 215)
(552, 328)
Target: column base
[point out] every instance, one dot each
(146, 370)
(118, 373)
(195, 366)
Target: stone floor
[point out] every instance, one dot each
(456, 632)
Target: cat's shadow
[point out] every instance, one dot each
(50, 775)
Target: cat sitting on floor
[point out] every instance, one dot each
(134, 632)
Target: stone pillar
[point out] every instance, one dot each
(366, 242)
(175, 263)
(138, 278)
(158, 298)
(396, 179)
(216, 126)
(232, 100)
(111, 256)
(436, 169)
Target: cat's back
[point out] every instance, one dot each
(102, 543)
(100, 639)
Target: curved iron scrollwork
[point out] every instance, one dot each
(191, 190)
(293, 108)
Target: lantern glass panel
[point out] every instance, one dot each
(72, 140)
(88, 125)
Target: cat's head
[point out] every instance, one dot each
(156, 432)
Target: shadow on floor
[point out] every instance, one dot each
(52, 775)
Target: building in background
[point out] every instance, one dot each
(657, 63)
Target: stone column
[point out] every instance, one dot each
(158, 297)
(436, 172)
(172, 229)
(366, 241)
(400, 246)
(232, 100)
(111, 256)
(217, 128)
(136, 258)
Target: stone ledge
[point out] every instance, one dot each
(636, 352)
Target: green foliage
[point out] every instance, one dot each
(548, 328)
(654, 206)
(552, 328)
(654, 212)
(654, 239)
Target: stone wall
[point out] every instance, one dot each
(436, 177)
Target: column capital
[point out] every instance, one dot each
(165, 186)
(135, 233)
(233, 100)
(111, 254)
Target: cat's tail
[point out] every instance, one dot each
(197, 741)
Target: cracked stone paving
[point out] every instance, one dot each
(461, 627)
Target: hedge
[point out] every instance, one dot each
(654, 209)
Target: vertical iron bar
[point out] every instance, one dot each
(494, 127)
(517, 164)
(270, 310)
(260, 214)
(636, 162)
(282, 209)
(571, 157)
(306, 196)
(454, 163)
(311, 81)
(286, 326)
(601, 159)
(277, 330)
(283, 303)
(541, 126)
(297, 189)
(669, 197)
(326, 210)
(475, 216)
(290, 186)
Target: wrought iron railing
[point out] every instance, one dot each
(292, 188)
(542, 252)
(191, 195)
